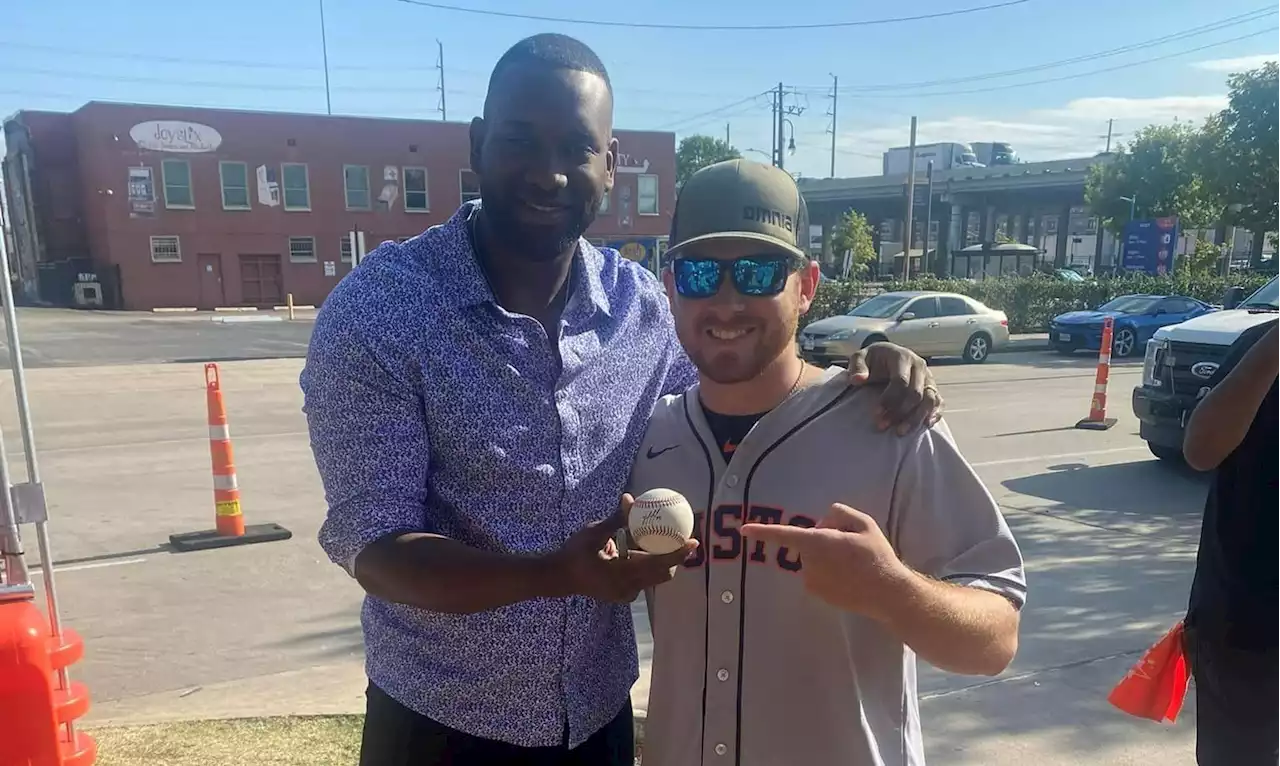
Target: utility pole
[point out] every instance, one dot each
(443, 109)
(726, 134)
(780, 147)
(773, 125)
(835, 96)
(324, 52)
(928, 219)
(911, 201)
(1110, 123)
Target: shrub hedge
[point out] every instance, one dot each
(1032, 301)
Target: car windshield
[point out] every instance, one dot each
(880, 307)
(1265, 298)
(1131, 304)
(1069, 275)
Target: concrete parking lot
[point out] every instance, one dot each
(72, 338)
(1109, 536)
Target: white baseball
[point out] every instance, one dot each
(660, 521)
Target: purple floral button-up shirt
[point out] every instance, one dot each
(433, 409)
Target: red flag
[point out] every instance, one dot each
(1155, 687)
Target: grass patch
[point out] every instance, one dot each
(291, 741)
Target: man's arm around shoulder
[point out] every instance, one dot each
(1220, 421)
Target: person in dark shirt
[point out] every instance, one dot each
(1232, 620)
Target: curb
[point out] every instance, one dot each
(175, 310)
(236, 309)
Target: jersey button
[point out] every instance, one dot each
(731, 480)
(722, 674)
(721, 749)
(727, 597)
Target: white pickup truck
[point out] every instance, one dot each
(1181, 359)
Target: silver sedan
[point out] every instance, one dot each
(930, 324)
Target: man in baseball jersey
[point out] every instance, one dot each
(826, 564)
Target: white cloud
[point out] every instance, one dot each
(1076, 129)
(1239, 64)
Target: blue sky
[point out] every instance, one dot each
(266, 54)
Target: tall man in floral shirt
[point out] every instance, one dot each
(475, 397)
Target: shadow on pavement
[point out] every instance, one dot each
(1109, 551)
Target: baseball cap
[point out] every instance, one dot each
(740, 200)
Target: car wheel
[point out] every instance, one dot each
(1125, 342)
(874, 339)
(978, 348)
(1167, 454)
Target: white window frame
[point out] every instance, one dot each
(346, 190)
(284, 188)
(462, 193)
(426, 186)
(164, 182)
(177, 246)
(657, 204)
(222, 186)
(295, 259)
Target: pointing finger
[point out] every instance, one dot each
(782, 534)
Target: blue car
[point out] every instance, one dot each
(1136, 318)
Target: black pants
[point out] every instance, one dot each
(1237, 707)
(394, 735)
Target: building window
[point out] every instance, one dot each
(344, 250)
(302, 249)
(297, 187)
(166, 250)
(235, 185)
(415, 190)
(177, 184)
(647, 194)
(604, 202)
(355, 180)
(469, 184)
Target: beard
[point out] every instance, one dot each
(724, 366)
(535, 243)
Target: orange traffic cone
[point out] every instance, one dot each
(229, 527)
(36, 715)
(1156, 687)
(1098, 420)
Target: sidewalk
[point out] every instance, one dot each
(1026, 341)
(1050, 717)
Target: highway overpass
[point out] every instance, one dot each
(1038, 203)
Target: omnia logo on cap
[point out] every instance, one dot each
(767, 216)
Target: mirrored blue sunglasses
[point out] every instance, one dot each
(756, 276)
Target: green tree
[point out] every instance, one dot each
(1162, 167)
(1241, 152)
(1202, 262)
(697, 152)
(852, 234)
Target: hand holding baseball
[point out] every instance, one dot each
(846, 560)
(590, 564)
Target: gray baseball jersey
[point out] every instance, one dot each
(748, 668)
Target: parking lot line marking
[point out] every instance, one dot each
(165, 442)
(1036, 458)
(35, 572)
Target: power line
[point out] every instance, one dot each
(1213, 27)
(716, 111)
(716, 27)
(1090, 73)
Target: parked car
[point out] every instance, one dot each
(1136, 319)
(929, 323)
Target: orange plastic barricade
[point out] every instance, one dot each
(1098, 420)
(1156, 687)
(229, 527)
(33, 710)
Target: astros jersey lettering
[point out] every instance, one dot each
(749, 669)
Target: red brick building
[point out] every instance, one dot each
(154, 206)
